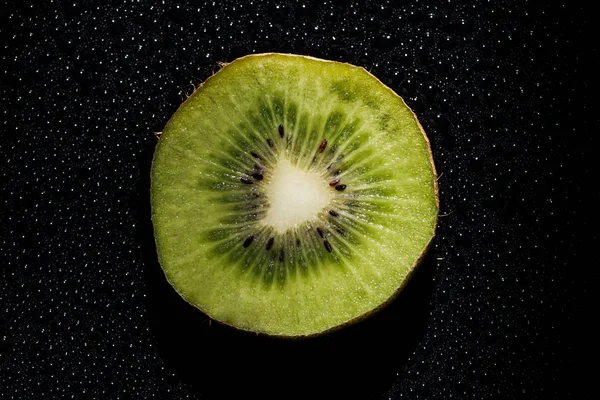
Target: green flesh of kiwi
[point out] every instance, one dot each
(292, 195)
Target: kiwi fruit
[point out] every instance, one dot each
(292, 195)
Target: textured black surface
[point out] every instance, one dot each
(500, 309)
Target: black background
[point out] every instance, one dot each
(503, 306)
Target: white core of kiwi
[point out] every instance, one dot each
(294, 196)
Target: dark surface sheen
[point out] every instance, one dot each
(503, 305)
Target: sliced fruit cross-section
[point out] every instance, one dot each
(292, 195)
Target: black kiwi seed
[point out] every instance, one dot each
(253, 154)
(320, 232)
(270, 143)
(322, 145)
(281, 255)
(248, 241)
(333, 213)
(334, 182)
(245, 180)
(340, 187)
(257, 176)
(281, 131)
(270, 243)
(340, 231)
(327, 246)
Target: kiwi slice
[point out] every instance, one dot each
(292, 195)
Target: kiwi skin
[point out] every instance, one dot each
(412, 268)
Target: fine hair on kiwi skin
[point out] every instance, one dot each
(270, 243)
